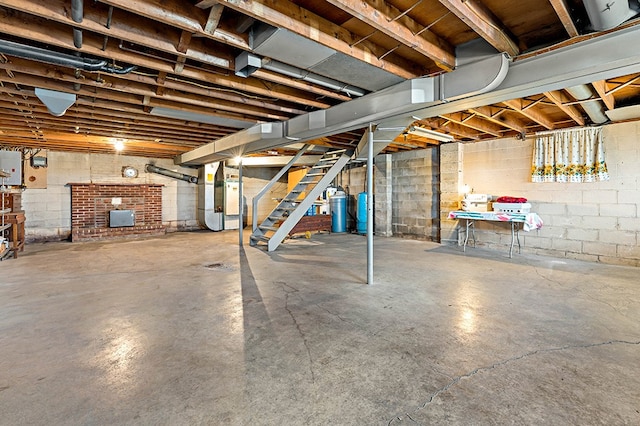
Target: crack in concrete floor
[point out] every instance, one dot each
(475, 371)
(295, 322)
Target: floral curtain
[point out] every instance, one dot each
(573, 155)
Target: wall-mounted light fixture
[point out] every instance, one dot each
(428, 133)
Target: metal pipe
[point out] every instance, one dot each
(42, 55)
(77, 14)
(294, 72)
(594, 108)
(47, 56)
(77, 38)
(77, 10)
(113, 70)
(370, 206)
(150, 168)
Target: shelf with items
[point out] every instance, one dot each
(4, 225)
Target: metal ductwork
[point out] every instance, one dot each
(600, 58)
(150, 168)
(593, 108)
(607, 14)
(294, 72)
(391, 108)
(77, 15)
(313, 57)
(57, 103)
(49, 57)
(248, 63)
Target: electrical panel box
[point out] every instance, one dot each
(11, 162)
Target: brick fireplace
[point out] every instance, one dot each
(92, 202)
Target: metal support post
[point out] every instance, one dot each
(241, 211)
(370, 207)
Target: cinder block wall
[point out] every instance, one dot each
(590, 221)
(415, 188)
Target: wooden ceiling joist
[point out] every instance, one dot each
(531, 113)
(564, 14)
(601, 89)
(384, 18)
(473, 122)
(495, 115)
(92, 46)
(562, 101)
(482, 21)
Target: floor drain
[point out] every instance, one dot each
(218, 266)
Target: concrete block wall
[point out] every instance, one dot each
(451, 181)
(416, 188)
(597, 221)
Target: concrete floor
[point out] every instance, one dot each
(189, 329)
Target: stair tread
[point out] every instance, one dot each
(260, 238)
(268, 228)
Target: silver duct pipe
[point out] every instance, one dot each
(247, 63)
(42, 55)
(594, 108)
(150, 168)
(77, 14)
(294, 72)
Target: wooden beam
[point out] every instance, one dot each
(215, 13)
(144, 86)
(563, 12)
(482, 21)
(160, 83)
(121, 83)
(286, 14)
(531, 113)
(204, 4)
(473, 122)
(447, 126)
(183, 43)
(495, 114)
(380, 15)
(601, 88)
(152, 35)
(126, 96)
(287, 89)
(562, 101)
(41, 31)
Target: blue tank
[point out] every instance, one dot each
(361, 213)
(338, 203)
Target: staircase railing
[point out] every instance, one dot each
(276, 178)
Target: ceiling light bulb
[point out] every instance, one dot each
(118, 145)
